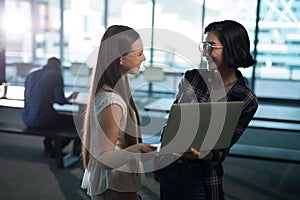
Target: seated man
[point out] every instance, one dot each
(43, 88)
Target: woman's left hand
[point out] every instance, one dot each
(204, 155)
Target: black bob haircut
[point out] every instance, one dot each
(235, 39)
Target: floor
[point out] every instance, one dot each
(26, 174)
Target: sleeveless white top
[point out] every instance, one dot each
(97, 179)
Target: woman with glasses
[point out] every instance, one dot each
(198, 175)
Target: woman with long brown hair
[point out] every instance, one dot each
(111, 139)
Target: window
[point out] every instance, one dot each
(170, 45)
(278, 50)
(83, 28)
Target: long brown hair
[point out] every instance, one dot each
(116, 41)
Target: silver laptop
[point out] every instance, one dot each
(204, 126)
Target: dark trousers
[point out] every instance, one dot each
(182, 180)
(61, 122)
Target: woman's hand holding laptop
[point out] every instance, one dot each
(195, 154)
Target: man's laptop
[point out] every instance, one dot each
(204, 126)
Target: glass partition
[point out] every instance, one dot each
(17, 27)
(135, 13)
(83, 28)
(72, 29)
(18, 31)
(278, 55)
(178, 27)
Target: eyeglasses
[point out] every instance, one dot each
(206, 48)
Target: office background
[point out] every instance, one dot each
(31, 31)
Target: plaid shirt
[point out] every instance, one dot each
(194, 87)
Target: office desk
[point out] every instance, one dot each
(81, 99)
(66, 109)
(264, 112)
(14, 98)
(12, 92)
(11, 122)
(278, 113)
(13, 103)
(160, 105)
